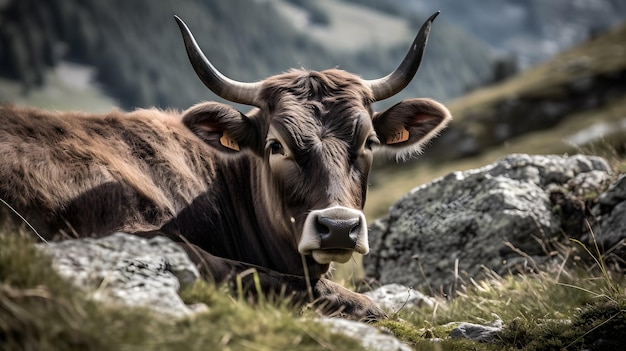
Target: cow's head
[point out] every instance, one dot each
(315, 132)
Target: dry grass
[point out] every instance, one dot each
(571, 306)
(604, 55)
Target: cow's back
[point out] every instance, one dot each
(93, 174)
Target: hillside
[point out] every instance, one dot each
(138, 57)
(574, 102)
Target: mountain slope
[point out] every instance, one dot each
(138, 55)
(575, 102)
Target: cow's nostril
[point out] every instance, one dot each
(338, 233)
(323, 229)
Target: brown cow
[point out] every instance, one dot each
(280, 189)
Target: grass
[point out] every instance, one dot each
(569, 308)
(579, 303)
(40, 311)
(575, 306)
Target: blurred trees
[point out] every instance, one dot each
(136, 46)
(140, 58)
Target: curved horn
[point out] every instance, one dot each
(231, 90)
(397, 80)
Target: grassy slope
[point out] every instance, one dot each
(569, 307)
(565, 309)
(601, 56)
(40, 311)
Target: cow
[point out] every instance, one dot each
(279, 189)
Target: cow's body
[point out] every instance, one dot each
(136, 172)
(279, 189)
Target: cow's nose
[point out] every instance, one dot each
(338, 233)
(333, 234)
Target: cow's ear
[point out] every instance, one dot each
(222, 127)
(405, 127)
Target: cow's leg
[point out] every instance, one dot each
(327, 297)
(334, 300)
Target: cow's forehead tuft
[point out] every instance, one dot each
(304, 106)
(329, 87)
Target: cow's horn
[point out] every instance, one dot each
(231, 90)
(397, 80)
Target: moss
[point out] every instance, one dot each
(602, 325)
(405, 331)
(430, 337)
(597, 326)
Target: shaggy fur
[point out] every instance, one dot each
(308, 146)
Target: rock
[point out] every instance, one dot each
(147, 273)
(461, 225)
(127, 269)
(370, 337)
(477, 332)
(394, 297)
(610, 227)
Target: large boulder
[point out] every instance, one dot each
(496, 218)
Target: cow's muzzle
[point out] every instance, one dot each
(333, 234)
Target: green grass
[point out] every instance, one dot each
(604, 55)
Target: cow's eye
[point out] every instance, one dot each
(371, 142)
(276, 147)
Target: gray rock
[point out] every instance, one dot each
(477, 332)
(370, 337)
(458, 226)
(394, 297)
(610, 227)
(127, 269)
(613, 196)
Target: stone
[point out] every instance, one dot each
(609, 229)
(371, 338)
(394, 297)
(129, 270)
(466, 224)
(147, 273)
